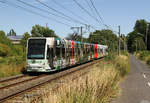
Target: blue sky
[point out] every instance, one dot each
(113, 12)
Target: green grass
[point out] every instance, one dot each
(10, 66)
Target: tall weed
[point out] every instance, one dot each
(99, 86)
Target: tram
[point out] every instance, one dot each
(47, 54)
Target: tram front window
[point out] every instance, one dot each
(36, 48)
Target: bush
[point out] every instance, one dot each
(111, 56)
(125, 53)
(143, 55)
(4, 50)
(148, 61)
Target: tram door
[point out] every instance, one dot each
(50, 56)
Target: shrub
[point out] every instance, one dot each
(148, 61)
(111, 56)
(4, 50)
(125, 53)
(143, 55)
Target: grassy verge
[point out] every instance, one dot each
(99, 86)
(144, 56)
(10, 66)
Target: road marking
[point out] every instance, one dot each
(144, 76)
(148, 84)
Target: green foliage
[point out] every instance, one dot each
(136, 38)
(24, 39)
(144, 56)
(6, 47)
(11, 33)
(111, 56)
(40, 31)
(148, 61)
(140, 26)
(135, 41)
(104, 37)
(4, 39)
(125, 53)
(4, 50)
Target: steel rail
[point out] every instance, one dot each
(13, 78)
(56, 77)
(17, 83)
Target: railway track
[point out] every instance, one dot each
(18, 81)
(16, 91)
(12, 78)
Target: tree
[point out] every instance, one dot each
(136, 38)
(2, 33)
(104, 37)
(40, 31)
(11, 33)
(6, 47)
(4, 39)
(135, 41)
(24, 39)
(140, 26)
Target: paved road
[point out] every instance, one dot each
(136, 87)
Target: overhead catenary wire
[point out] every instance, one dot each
(96, 11)
(33, 12)
(70, 11)
(99, 15)
(91, 9)
(44, 10)
(87, 11)
(74, 20)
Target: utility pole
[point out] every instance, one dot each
(46, 25)
(81, 34)
(119, 41)
(147, 27)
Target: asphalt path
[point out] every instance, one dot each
(136, 86)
